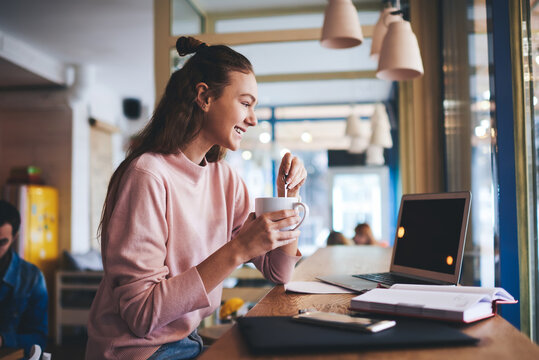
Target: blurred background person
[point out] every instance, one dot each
(364, 235)
(23, 293)
(338, 238)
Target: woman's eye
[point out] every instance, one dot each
(245, 104)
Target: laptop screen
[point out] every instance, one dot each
(430, 235)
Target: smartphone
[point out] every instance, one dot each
(345, 321)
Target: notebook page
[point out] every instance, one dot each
(493, 293)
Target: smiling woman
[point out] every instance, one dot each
(176, 219)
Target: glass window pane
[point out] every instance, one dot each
(312, 135)
(185, 20)
(284, 22)
(323, 111)
(468, 129)
(324, 92)
(531, 85)
(256, 169)
(360, 195)
(306, 57)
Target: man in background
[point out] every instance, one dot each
(23, 293)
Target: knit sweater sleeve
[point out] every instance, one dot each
(144, 295)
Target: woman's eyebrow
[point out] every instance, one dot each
(251, 96)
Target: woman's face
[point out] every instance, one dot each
(229, 116)
(361, 239)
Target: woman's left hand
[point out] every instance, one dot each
(292, 174)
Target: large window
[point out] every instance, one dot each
(530, 50)
(469, 131)
(306, 93)
(339, 197)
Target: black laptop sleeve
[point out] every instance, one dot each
(280, 334)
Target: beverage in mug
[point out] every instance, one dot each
(270, 204)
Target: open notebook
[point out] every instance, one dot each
(428, 247)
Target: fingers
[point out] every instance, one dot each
(291, 172)
(280, 214)
(297, 174)
(282, 238)
(277, 220)
(286, 242)
(286, 164)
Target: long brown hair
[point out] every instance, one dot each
(178, 119)
(365, 230)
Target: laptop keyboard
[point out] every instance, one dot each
(390, 279)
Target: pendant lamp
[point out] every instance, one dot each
(352, 126)
(341, 27)
(359, 132)
(381, 128)
(375, 155)
(400, 58)
(380, 30)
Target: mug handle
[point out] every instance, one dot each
(305, 212)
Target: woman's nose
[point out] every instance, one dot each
(251, 119)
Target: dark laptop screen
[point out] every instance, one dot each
(428, 235)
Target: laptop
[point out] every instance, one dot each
(428, 246)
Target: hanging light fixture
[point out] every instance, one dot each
(400, 58)
(375, 155)
(381, 128)
(352, 127)
(341, 27)
(359, 132)
(380, 29)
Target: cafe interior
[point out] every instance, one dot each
(381, 99)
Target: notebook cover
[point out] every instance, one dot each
(281, 334)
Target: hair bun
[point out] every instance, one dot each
(187, 45)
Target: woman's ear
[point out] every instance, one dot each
(203, 96)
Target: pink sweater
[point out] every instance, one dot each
(171, 214)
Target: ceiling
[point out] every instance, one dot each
(114, 36)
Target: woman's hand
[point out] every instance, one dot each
(258, 235)
(292, 174)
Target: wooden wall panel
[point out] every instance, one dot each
(40, 136)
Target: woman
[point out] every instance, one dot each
(363, 235)
(338, 238)
(176, 218)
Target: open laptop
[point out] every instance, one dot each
(428, 247)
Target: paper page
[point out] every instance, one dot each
(423, 299)
(315, 287)
(493, 293)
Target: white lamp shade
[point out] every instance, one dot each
(358, 145)
(356, 127)
(382, 137)
(341, 28)
(381, 128)
(380, 30)
(400, 58)
(375, 155)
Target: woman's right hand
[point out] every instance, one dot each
(258, 235)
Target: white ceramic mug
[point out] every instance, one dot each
(271, 204)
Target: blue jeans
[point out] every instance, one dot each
(187, 348)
